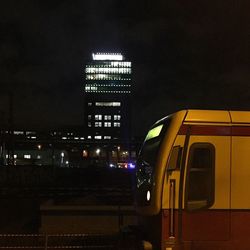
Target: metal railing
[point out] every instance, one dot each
(58, 241)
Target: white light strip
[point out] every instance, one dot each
(99, 56)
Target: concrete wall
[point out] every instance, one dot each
(85, 219)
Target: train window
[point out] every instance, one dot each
(175, 158)
(200, 176)
(147, 160)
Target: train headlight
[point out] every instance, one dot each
(148, 195)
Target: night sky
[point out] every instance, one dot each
(185, 54)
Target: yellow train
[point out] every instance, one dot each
(193, 181)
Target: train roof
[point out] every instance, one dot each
(220, 116)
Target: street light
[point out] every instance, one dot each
(98, 151)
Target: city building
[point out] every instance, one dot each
(107, 98)
(63, 147)
(106, 139)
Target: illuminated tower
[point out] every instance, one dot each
(107, 97)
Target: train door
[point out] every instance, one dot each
(171, 194)
(206, 189)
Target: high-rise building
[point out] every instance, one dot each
(107, 97)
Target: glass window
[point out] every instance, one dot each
(107, 117)
(117, 117)
(175, 158)
(107, 137)
(108, 104)
(147, 159)
(107, 124)
(117, 124)
(98, 117)
(200, 176)
(98, 124)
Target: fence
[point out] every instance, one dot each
(65, 241)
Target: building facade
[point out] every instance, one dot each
(107, 98)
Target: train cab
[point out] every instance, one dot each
(192, 181)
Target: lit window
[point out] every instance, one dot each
(107, 117)
(98, 137)
(98, 117)
(107, 56)
(89, 117)
(30, 133)
(117, 124)
(89, 124)
(98, 124)
(27, 156)
(117, 117)
(90, 70)
(107, 124)
(107, 137)
(89, 137)
(108, 104)
(89, 103)
(114, 64)
(18, 132)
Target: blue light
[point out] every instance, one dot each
(131, 165)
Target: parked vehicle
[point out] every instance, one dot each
(193, 181)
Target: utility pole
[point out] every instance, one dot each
(2, 139)
(10, 151)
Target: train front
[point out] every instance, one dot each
(150, 172)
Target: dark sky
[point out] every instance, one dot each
(185, 54)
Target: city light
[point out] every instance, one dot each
(131, 165)
(148, 196)
(85, 153)
(107, 56)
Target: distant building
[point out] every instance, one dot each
(107, 98)
(64, 147)
(106, 139)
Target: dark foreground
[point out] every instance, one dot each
(25, 190)
(69, 241)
